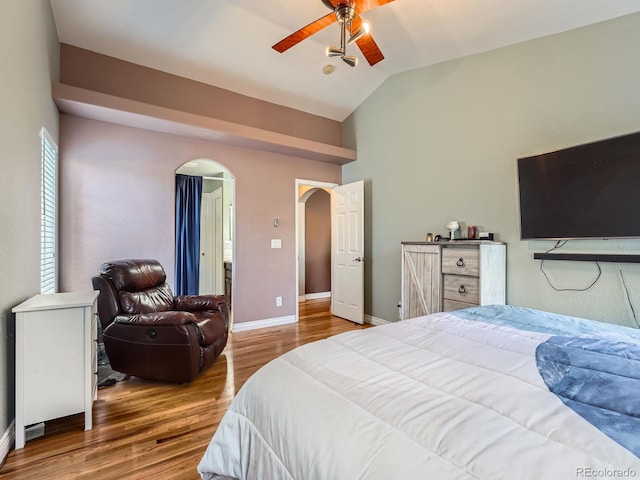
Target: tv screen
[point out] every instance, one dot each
(588, 191)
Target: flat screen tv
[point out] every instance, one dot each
(587, 191)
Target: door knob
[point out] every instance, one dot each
(358, 259)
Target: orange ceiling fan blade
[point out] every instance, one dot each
(305, 32)
(366, 5)
(367, 44)
(370, 49)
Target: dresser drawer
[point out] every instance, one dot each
(461, 261)
(462, 289)
(451, 305)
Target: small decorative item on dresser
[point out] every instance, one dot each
(452, 226)
(471, 232)
(429, 237)
(486, 236)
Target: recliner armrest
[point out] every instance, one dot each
(157, 318)
(197, 303)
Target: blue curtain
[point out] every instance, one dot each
(188, 200)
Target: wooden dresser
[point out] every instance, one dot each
(445, 276)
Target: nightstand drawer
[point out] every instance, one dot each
(462, 289)
(461, 261)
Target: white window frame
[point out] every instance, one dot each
(48, 213)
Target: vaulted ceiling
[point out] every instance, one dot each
(227, 43)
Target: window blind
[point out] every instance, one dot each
(48, 194)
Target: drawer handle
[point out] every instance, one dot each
(460, 262)
(461, 289)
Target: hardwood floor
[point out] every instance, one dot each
(145, 430)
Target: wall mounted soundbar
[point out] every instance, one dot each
(589, 257)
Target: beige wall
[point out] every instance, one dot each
(29, 56)
(441, 143)
(117, 201)
(318, 242)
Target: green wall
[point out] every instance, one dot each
(440, 143)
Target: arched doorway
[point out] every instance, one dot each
(216, 225)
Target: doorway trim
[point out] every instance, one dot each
(299, 226)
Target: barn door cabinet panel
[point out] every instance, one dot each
(447, 276)
(420, 280)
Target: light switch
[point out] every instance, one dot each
(276, 243)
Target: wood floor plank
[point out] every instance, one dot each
(144, 430)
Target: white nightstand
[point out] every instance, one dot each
(56, 358)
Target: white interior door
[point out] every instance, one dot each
(211, 244)
(347, 251)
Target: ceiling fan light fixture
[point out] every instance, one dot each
(350, 60)
(361, 32)
(332, 51)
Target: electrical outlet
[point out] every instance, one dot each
(278, 301)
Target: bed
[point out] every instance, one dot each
(492, 392)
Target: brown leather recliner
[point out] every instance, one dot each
(149, 333)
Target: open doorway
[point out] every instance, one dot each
(313, 240)
(216, 226)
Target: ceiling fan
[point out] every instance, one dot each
(352, 29)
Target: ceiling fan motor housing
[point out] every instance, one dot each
(345, 13)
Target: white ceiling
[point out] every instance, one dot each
(227, 43)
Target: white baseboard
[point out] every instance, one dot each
(375, 320)
(268, 322)
(6, 441)
(277, 321)
(314, 296)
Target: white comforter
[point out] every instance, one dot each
(436, 397)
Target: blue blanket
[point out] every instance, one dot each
(545, 322)
(593, 367)
(599, 380)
